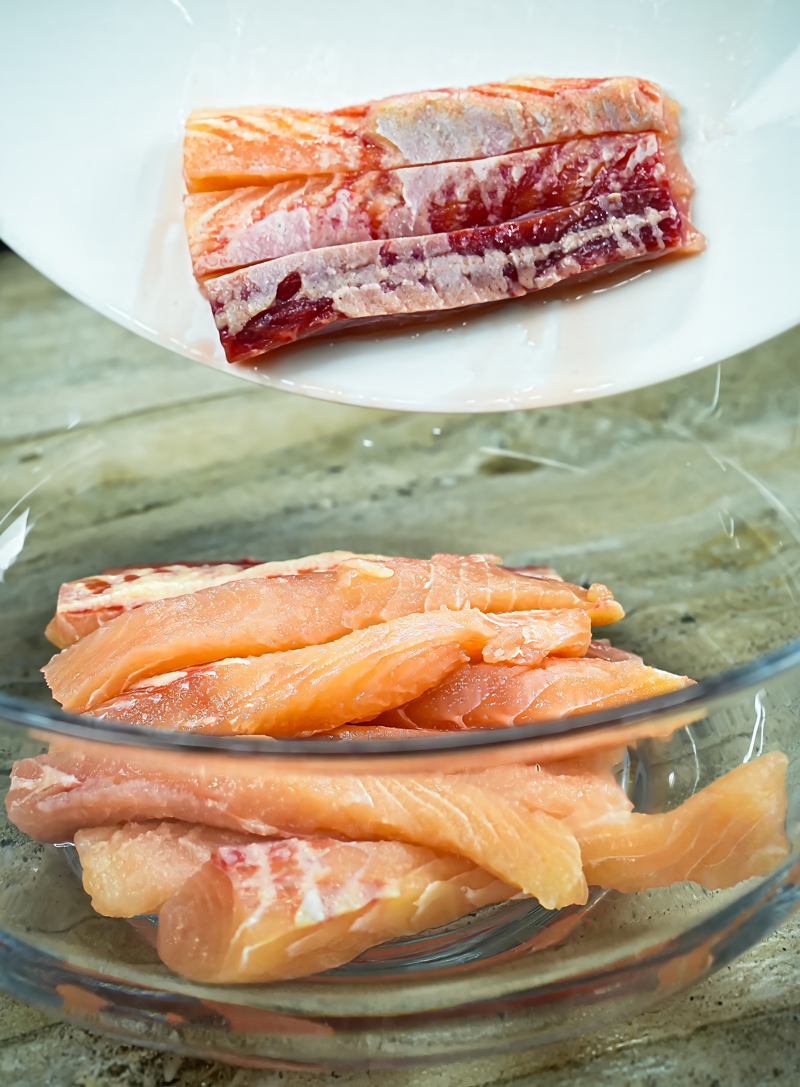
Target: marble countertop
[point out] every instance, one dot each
(61, 365)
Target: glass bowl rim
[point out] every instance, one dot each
(28, 714)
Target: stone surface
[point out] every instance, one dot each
(63, 367)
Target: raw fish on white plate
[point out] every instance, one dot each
(91, 189)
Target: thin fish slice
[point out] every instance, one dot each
(233, 228)
(279, 910)
(134, 868)
(353, 678)
(265, 306)
(254, 145)
(262, 910)
(89, 602)
(507, 820)
(729, 831)
(498, 696)
(264, 615)
(286, 889)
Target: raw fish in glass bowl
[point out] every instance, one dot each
(388, 884)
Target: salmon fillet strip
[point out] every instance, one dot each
(266, 909)
(254, 145)
(507, 820)
(238, 910)
(264, 306)
(384, 728)
(89, 602)
(353, 678)
(133, 869)
(272, 911)
(264, 615)
(727, 832)
(499, 696)
(238, 227)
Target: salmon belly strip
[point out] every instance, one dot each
(86, 604)
(262, 307)
(238, 911)
(262, 615)
(253, 145)
(274, 910)
(236, 227)
(507, 820)
(729, 831)
(133, 869)
(89, 602)
(353, 678)
(499, 696)
(725, 833)
(277, 909)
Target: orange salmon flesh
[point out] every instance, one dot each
(234, 908)
(260, 871)
(254, 616)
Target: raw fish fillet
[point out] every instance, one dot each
(255, 145)
(262, 615)
(265, 910)
(267, 305)
(508, 820)
(88, 603)
(499, 696)
(237, 227)
(727, 832)
(134, 868)
(277, 910)
(353, 678)
(302, 905)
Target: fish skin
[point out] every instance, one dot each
(133, 868)
(89, 602)
(351, 679)
(278, 910)
(727, 832)
(507, 820)
(255, 616)
(254, 145)
(479, 695)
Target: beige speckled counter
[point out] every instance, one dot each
(63, 366)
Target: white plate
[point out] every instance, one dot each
(94, 95)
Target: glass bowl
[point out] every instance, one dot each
(684, 498)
